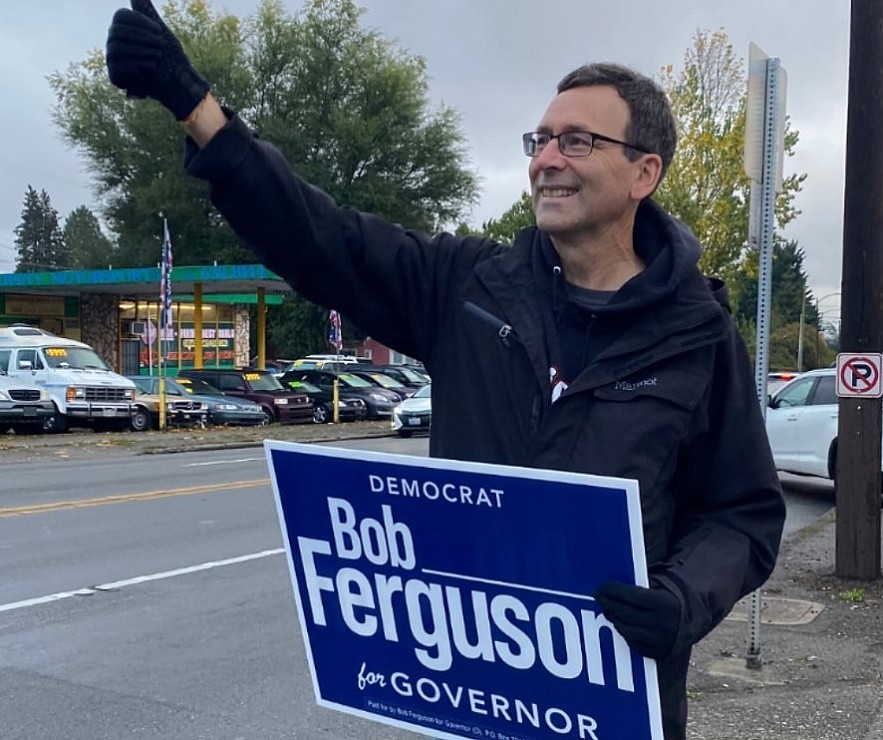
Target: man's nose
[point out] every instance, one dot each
(550, 156)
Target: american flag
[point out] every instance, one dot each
(335, 336)
(165, 280)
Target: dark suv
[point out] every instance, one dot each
(262, 387)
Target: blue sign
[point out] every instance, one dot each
(454, 599)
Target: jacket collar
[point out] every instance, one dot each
(527, 283)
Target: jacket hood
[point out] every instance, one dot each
(669, 250)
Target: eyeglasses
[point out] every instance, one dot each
(570, 143)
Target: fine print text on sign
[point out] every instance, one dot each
(453, 599)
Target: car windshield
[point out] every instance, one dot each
(424, 392)
(263, 381)
(412, 376)
(386, 381)
(81, 358)
(142, 384)
(303, 386)
(354, 381)
(194, 385)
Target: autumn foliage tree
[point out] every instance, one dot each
(706, 185)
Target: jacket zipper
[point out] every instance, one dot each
(504, 330)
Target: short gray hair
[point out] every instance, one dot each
(651, 123)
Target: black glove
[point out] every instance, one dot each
(146, 60)
(648, 618)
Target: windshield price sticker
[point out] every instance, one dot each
(252, 376)
(55, 352)
(453, 599)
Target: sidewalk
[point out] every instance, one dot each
(80, 444)
(821, 639)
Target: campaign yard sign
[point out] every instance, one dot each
(454, 599)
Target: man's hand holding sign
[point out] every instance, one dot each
(441, 596)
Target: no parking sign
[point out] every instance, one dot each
(859, 375)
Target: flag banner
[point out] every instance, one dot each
(165, 281)
(335, 334)
(454, 599)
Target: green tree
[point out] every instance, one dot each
(519, 216)
(347, 107)
(792, 304)
(38, 237)
(88, 246)
(706, 185)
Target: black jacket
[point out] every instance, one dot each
(667, 398)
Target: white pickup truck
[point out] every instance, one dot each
(84, 391)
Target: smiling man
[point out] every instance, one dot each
(593, 344)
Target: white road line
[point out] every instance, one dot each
(114, 585)
(224, 462)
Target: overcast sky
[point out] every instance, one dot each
(497, 62)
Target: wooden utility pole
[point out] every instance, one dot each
(857, 550)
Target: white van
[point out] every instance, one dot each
(83, 389)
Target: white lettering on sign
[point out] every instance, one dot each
(481, 702)
(432, 491)
(566, 642)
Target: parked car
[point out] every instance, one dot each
(801, 423)
(405, 375)
(325, 362)
(385, 381)
(222, 409)
(280, 404)
(414, 413)
(179, 411)
(776, 380)
(24, 406)
(348, 409)
(379, 401)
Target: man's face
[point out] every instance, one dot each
(573, 196)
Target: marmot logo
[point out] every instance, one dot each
(623, 385)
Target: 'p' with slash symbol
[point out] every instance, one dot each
(859, 375)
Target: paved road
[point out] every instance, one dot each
(148, 596)
(166, 613)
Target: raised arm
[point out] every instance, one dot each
(146, 60)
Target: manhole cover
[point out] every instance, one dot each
(775, 610)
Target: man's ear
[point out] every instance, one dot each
(649, 173)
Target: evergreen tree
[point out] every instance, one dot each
(88, 246)
(38, 238)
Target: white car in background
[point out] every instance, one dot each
(414, 414)
(776, 380)
(801, 423)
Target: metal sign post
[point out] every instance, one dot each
(764, 152)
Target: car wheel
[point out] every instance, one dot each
(57, 423)
(832, 465)
(405, 432)
(268, 417)
(139, 421)
(321, 414)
